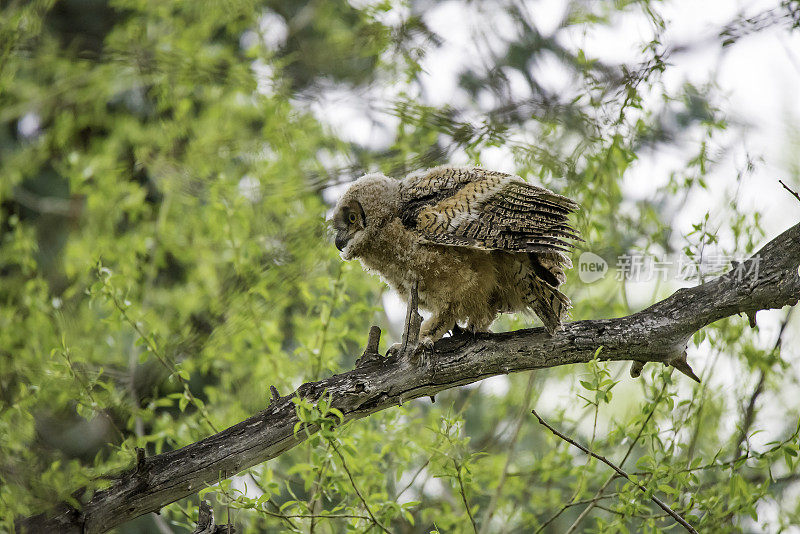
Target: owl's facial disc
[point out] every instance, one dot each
(348, 221)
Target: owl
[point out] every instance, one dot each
(476, 243)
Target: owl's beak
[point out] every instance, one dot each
(341, 240)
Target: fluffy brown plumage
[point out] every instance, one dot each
(478, 242)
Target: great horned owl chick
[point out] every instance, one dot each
(477, 242)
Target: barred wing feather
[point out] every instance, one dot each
(485, 209)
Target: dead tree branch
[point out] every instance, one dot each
(790, 190)
(770, 279)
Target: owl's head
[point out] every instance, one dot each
(368, 204)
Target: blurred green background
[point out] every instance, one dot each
(166, 169)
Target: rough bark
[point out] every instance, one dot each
(656, 334)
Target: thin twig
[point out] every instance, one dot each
(661, 504)
(473, 392)
(95, 405)
(323, 333)
(464, 496)
(700, 400)
(577, 503)
(414, 478)
(742, 458)
(264, 491)
(314, 501)
(640, 516)
(319, 516)
(792, 191)
(749, 413)
(608, 481)
(355, 488)
(169, 366)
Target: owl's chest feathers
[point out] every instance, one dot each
(447, 275)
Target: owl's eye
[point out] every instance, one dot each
(352, 218)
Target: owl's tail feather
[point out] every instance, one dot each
(549, 304)
(544, 298)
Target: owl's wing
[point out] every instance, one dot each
(486, 209)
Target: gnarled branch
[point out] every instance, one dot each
(659, 333)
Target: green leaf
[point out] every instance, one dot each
(669, 490)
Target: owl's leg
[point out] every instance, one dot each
(411, 330)
(437, 326)
(413, 320)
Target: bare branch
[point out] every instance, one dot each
(657, 334)
(792, 191)
(661, 504)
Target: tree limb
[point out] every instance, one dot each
(656, 334)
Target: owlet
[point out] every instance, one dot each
(478, 243)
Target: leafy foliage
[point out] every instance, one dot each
(164, 260)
